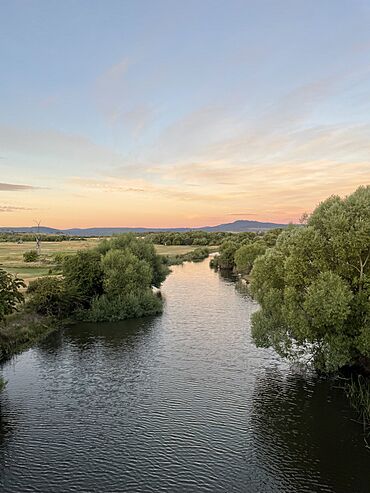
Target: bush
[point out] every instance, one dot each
(130, 305)
(197, 255)
(83, 271)
(247, 254)
(30, 256)
(52, 297)
(10, 296)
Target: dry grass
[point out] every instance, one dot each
(11, 256)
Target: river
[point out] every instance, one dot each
(182, 402)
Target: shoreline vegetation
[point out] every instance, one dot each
(107, 280)
(312, 283)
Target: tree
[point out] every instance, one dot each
(53, 297)
(314, 286)
(247, 254)
(10, 296)
(124, 272)
(227, 252)
(83, 271)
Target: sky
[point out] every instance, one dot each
(168, 113)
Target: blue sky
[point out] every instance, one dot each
(180, 113)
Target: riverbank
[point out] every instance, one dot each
(22, 330)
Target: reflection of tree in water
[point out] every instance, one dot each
(87, 361)
(7, 422)
(228, 275)
(8, 425)
(304, 437)
(85, 337)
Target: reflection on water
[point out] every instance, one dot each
(179, 402)
(307, 424)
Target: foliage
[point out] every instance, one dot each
(227, 252)
(196, 255)
(358, 391)
(240, 250)
(83, 272)
(12, 237)
(201, 238)
(142, 249)
(10, 296)
(246, 255)
(126, 305)
(314, 286)
(53, 297)
(30, 256)
(111, 282)
(125, 272)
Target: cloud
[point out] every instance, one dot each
(13, 208)
(243, 214)
(114, 73)
(146, 188)
(11, 187)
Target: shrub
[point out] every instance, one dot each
(129, 305)
(83, 271)
(52, 297)
(30, 256)
(10, 296)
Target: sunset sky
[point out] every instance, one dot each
(180, 112)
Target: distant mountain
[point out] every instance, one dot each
(243, 225)
(235, 227)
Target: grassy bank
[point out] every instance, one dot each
(22, 330)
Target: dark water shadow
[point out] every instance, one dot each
(306, 435)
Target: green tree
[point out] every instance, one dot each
(247, 254)
(125, 273)
(83, 273)
(227, 253)
(10, 296)
(51, 296)
(143, 250)
(314, 286)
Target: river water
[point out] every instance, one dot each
(182, 402)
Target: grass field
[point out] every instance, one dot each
(174, 249)
(11, 255)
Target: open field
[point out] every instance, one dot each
(174, 249)
(11, 255)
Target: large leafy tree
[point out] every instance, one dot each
(314, 286)
(10, 296)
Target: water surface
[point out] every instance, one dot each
(182, 402)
